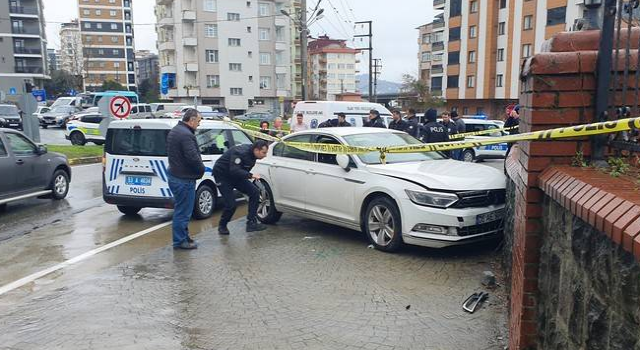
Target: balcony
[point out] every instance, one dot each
(189, 41)
(25, 31)
(23, 10)
(437, 46)
(165, 2)
(191, 67)
(438, 4)
(166, 45)
(29, 69)
(188, 15)
(27, 51)
(437, 70)
(439, 24)
(166, 20)
(168, 68)
(436, 91)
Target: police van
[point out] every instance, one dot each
(84, 128)
(480, 153)
(135, 163)
(357, 113)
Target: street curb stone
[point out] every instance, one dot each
(85, 160)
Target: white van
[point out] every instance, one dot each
(135, 163)
(498, 151)
(160, 108)
(67, 101)
(141, 111)
(357, 113)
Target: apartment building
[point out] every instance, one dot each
(230, 53)
(53, 58)
(147, 65)
(332, 68)
(23, 45)
(482, 45)
(106, 28)
(425, 52)
(71, 58)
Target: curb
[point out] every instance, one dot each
(85, 160)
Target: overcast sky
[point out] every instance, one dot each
(395, 37)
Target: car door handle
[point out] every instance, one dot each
(19, 161)
(311, 171)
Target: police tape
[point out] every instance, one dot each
(481, 132)
(551, 134)
(257, 128)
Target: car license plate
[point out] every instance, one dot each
(489, 217)
(138, 181)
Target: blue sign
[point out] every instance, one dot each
(12, 91)
(72, 92)
(40, 95)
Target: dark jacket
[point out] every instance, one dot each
(344, 123)
(185, 161)
(413, 128)
(511, 121)
(329, 123)
(375, 123)
(433, 132)
(460, 126)
(451, 126)
(235, 164)
(398, 125)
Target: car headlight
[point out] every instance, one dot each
(2, 120)
(432, 199)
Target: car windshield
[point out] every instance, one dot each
(389, 139)
(9, 110)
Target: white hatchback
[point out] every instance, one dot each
(415, 198)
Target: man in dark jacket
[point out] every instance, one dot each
(233, 171)
(185, 167)
(342, 120)
(374, 120)
(462, 128)
(397, 123)
(413, 127)
(433, 131)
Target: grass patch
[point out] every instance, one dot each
(73, 152)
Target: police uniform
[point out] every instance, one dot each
(434, 132)
(413, 128)
(233, 171)
(398, 125)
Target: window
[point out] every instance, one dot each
(233, 16)
(3, 151)
(114, 39)
(251, 78)
(437, 37)
(454, 34)
(281, 81)
(331, 66)
(113, 26)
(218, 141)
(528, 22)
(526, 50)
(113, 13)
(92, 119)
(265, 82)
(213, 81)
(210, 30)
(500, 55)
(100, 38)
(474, 6)
(323, 157)
(436, 83)
(264, 33)
(88, 38)
(19, 145)
(87, 25)
(234, 42)
(473, 32)
(116, 64)
(210, 5)
(503, 4)
(86, 12)
(282, 150)
(248, 29)
(211, 56)
(499, 80)
(99, 25)
(263, 9)
(341, 66)
(280, 33)
(452, 81)
(100, 52)
(471, 81)
(265, 58)
(137, 142)
(248, 4)
(455, 9)
(250, 54)
(425, 38)
(280, 58)
(472, 57)
(426, 57)
(454, 58)
(115, 52)
(236, 91)
(98, 12)
(235, 67)
(556, 16)
(501, 28)
(351, 66)
(465, 111)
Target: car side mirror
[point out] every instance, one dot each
(343, 161)
(42, 149)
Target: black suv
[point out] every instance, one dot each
(10, 117)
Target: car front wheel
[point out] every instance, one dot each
(267, 213)
(59, 184)
(44, 126)
(77, 139)
(468, 156)
(382, 225)
(205, 203)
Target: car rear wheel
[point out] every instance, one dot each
(129, 210)
(382, 224)
(205, 203)
(59, 184)
(267, 213)
(468, 155)
(99, 143)
(77, 139)
(44, 126)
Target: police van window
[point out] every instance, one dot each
(323, 157)
(282, 150)
(218, 141)
(134, 110)
(19, 145)
(93, 119)
(137, 142)
(3, 151)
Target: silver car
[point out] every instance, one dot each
(28, 170)
(58, 116)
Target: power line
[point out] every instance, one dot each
(344, 7)
(339, 17)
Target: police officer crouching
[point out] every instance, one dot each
(233, 171)
(433, 131)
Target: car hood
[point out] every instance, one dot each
(55, 114)
(446, 174)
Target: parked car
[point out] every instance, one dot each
(421, 199)
(207, 112)
(68, 101)
(161, 108)
(141, 111)
(255, 116)
(58, 116)
(480, 153)
(84, 128)
(40, 111)
(28, 170)
(10, 116)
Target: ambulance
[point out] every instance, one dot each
(357, 113)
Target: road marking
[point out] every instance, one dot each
(21, 282)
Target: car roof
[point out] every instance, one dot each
(166, 124)
(346, 131)
(478, 121)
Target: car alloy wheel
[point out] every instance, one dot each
(205, 202)
(267, 212)
(60, 184)
(381, 225)
(264, 207)
(467, 156)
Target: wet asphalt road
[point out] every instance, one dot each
(53, 136)
(300, 284)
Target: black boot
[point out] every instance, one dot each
(223, 230)
(253, 226)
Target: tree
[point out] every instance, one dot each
(112, 85)
(149, 90)
(420, 96)
(61, 82)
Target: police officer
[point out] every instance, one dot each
(374, 120)
(451, 128)
(433, 131)
(233, 171)
(329, 123)
(342, 120)
(413, 127)
(397, 123)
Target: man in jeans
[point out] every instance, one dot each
(185, 167)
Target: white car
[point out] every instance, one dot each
(480, 153)
(84, 128)
(415, 198)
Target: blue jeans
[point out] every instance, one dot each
(456, 154)
(184, 196)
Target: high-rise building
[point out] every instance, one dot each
(53, 58)
(147, 65)
(231, 53)
(482, 44)
(23, 50)
(424, 54)
(106, 27)
(296, 49)
(71, 59)
(332, 68)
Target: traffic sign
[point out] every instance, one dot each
(12, 91)
(40, 95)
(120, 107)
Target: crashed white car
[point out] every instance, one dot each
(415, 198)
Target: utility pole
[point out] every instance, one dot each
(370, 49)
(377, 70)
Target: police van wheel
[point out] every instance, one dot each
(77, 139)
(382, 224)
(129, 210)
(267, 213)
(205, 203)
(59, 184)
(99, 143)
(468, 155)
